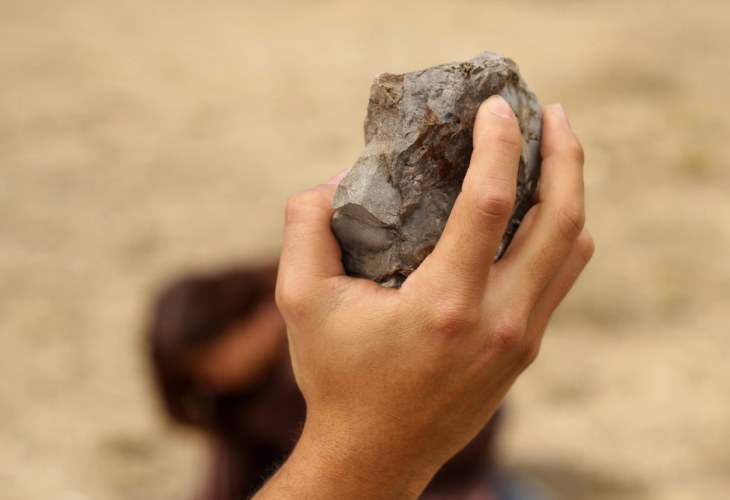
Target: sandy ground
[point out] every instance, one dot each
(143, 139)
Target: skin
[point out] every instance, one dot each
(399, 380)
(245, 353)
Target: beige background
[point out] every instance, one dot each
(143, 139)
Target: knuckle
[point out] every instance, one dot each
(452, 317)
(530, 352)
(576, 153)
(291, 301)
(294, 206)
(504, 133)
(506, 335)
(570, 220)
(494, 204)
(585, 246)
(301, 203)
(508, 133)
(510, 137)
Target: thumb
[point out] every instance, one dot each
(310, 253)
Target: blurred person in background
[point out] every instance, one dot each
(220, 361)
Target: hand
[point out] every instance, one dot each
(398, 380)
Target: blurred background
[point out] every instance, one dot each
(142, 140)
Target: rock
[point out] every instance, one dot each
(393, 205)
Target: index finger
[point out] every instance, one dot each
(464, 254)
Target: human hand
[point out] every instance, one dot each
(398, 380)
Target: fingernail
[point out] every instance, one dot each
(337, 178)
(498, 106)
(560, 112)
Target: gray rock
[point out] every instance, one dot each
(393, 205)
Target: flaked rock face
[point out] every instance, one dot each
(393, 205)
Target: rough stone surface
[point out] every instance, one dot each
(393, 205)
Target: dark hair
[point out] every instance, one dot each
(193, 312)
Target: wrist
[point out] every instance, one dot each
(331, 464)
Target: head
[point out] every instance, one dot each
(211, 336)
